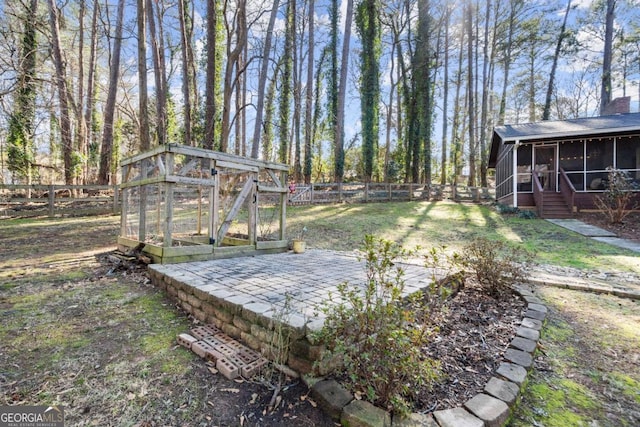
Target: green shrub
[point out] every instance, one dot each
(527, 214)
(617, 200)
(496, 265)
(375, 334)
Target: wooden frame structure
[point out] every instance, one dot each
(182, 203)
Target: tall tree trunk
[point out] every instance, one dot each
(369, 29)
(82, 130)
(285, 88)
(605, 90)
(143, 96)
(308, 125)
(91, 81)
(158, 72)
(342, 93)
(507, 60)
(389, 118)
(445, 100)
(297, 99)
(210, 86)
(20, 137)
(484, 109)
(262, 80)
(471, 97)
(106, 153)
(186, 73)
(456, 139)
(63, 93)
(556, 55)
(233, 56)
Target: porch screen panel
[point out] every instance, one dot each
(572, 161)
(504, 172)
(599, 154)
(628, 155)
(599, 158)
(525, 160)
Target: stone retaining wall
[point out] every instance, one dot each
(255, 324)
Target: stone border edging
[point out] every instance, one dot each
(490, 408)
(584, 286)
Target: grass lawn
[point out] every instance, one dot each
(101, 342)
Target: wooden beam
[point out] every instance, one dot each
(246, 190)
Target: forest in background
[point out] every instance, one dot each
(357, 90)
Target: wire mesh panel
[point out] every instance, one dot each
(177, 197)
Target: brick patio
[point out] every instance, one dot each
(248, 297)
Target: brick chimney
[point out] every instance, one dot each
(620, 105)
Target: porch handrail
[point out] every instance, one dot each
(537, 193)
(567, 190)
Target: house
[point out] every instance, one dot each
(558, 167)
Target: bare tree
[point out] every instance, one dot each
(106, 152)
(605, 91)
(63, 93)
(342, 93)
(262, 79)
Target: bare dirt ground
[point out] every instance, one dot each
(97, 338)
(629, 228)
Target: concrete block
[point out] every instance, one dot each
(201, 348)
(415, 420)
(359, 413)
(503, 390)
(247, 355)
(250, 340)
(524, 344)
(201, 332)
(457, 417)
(528, 333)
(186, 340)
(519, 357)
(532, 299)
(492, 411)
(300, 365)
(231, 330)
(254, 367)
(228, 369)
(528, 322)
(199, 314)
(512, 372)
(538, 315)
(242, 324)
(331, 397)
(194, 301)
(537, 307)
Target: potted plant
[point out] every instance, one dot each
(299, 245)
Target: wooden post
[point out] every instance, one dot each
(115, 198)
(52, 199)
(167, 238)
(215, 220)
(253, 210)
(283, 208)
(125, 202)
